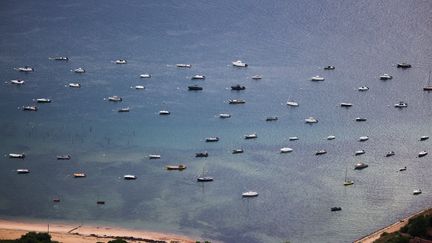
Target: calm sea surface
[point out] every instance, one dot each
(286, 42)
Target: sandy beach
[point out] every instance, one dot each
(69, 233)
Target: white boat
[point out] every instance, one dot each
(23, 171)
(251, 136)
(346, 181)
(363, 138)
(235, 102)
(360, 166)
(250, 194)
(164, 113)
(359, 152)
(224, 115)
(59, 58)
(256, 77)
(317, 78)
(182, 65)
(401, 104)
(363, 88)
(389, 154)
(422, 154)
(154, 156)
(423, 138)
(145, 75)
(331, 137)
(79, 175)
(239, 63)
(320, 152)
(330, 67)
(292, 103)
(129, 177)
(286, 150)
(25, 69)
(311, 120)
(417, 192)
(63, 157)
(237, 151)
(212, 139)
(74, 85)
(29, 108)
(198, 76)
(403, 168)
(386, 76)
(403, 65)
(79, 70)
(17, 81)
(360, 119)
(43, 100)
(272, 118)
(115, 98)
(124, 109)
(293, 138)
(345, 104)
(17, 156)
(139, 87)
(204, 178)
(120, 61)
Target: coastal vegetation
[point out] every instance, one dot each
(32, 237)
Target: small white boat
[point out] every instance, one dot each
(212, 139)
(330, 67)
(63, 157)
(317, 78)
(250, 194)
(29, 108)
(204, 179)
(23, 171)
(292, 103)
(129, 177)
(363, 88)
(17, 156)
(124, 109)
(320, 152)
(272, 118)
(311, 120)
(198, 76)
(224, 115)
(238, 151)
(403, 168)
(417, 192)
(346, 181)
(74, 85)
(139, 87)
(239, 63)
(182, 65)
(359, 152)
(59, 58)
(43, 100)
(251, 136)
(235, 102)
(79, 175)
(256, 77)
(176, 167)
(360, 119)
(423, 138)
(120, 61)
(79, 70)
(363, 138)
(345, 104)
(164, 113)
(115, 98)
(401, 104)
(17, 81)
(286, 150)
(360, 166)
(154, 156)
(386, 76)
(145, 75)
(25, 69)
(293, 138)
(331, 137)
(389, 154)
(422, 154)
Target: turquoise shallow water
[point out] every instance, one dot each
(287, 43)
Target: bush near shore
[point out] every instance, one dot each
(32, 237)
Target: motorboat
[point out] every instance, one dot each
(195, 88)
(79, 70)
(139, 87)
(63, 157)
(401, 104)
(56, 200)
(25, 69)
(239, 63)
(17, 81)
(293, 138)
(363, 138)
(317, 78)
(359, 152)
(330, 68)
(182, 65)
(360, 166)
(238, 151)
(164, 113)
(17, 156)
(129, 177)
(212, 139)
(403, 168)
(176, 167)
(235, 102)
(224, 115)
(59, 58)
(334, 209)
(145, 75)
(363, 88)
(238, 87)
(124, 109)
(320, 152)
(23, 171)
(422, 154)
(256, 77)
(272, 118)
(74, 85)
(285, 150)
(417, 192)
(120, 61)
(292, 103)
(403, 65)
(115, 98)
(154, 156)
(100, 202)
(331, 137)
(251, 136)
(30, 108)
(389, 154)
(385, 76)
(423, 138)
(311, 120)
(360, 119)
(198, 76)
(79, 175)
(204, 179)
(250, 194)
(201, 154)
(43, 100)
(345, 104)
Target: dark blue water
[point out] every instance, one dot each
(285, 41)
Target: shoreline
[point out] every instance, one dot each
(86, 233)
(370, 238)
